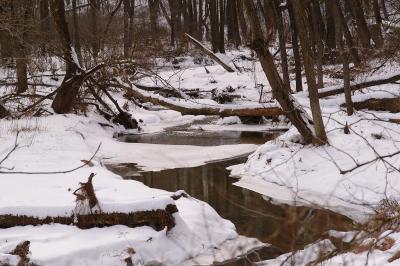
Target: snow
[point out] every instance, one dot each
(45, 142)
(307, 175)
(200, 231)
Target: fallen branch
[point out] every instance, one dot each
(194, 108)
(329, 91)
(209, 53)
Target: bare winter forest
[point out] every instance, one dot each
(199, 132)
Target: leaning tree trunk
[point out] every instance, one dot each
(308, 58)
(68, 90)
(292, 109)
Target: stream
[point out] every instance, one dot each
(286, 228)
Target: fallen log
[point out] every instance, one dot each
(194, 108)
(384, 104)
(166, 92)
(157, 219)
(209, 53)
(329, 91)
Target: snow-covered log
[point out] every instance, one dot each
(191, 107)
(329, 91)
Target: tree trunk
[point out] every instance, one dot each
(44, 23)
(349, 39)
(67, 93)
(308, 58)
(362, 28)
(213, 6)
(330, 26)
(282, 42)
(345, 61)
(295, 46)
(94, 8)
(77, 35)
(292, 109)
(221, 42)
(316, 11)
(153, 12)
(376, 30)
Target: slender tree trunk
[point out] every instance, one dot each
(345, 61)
(330, 26)
(319, 45)
(362, 28)
(308, 58)
(173, 11)
(346, 31)
(44, 23)
(153, 12)
(94, 8)
(242, 21)
(77, 35)
(376, 29)
(221, 42)
(213, 6)
(200, 21)
(293, 111)
(282, 43)
(296, 50)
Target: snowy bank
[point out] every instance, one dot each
(351, 175)
(36, 182)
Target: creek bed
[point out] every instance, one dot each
(286, 228)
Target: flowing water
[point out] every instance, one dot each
(287, 228)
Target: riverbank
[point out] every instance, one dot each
(45, 189)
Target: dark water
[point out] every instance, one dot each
(287, 228)
(200, 138)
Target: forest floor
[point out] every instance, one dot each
(282, 169)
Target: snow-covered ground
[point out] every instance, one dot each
(59, 143)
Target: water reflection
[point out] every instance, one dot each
(200, 138)
(286, 228)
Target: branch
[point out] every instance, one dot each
(56, 172)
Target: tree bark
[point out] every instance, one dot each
(221, 41)
(292, 109)
(349, 39)
(68, 90)
(282, 42)
(201, 109)
(295, 46)
(77, 35)
(153, 12)
(316, 11)
(308, 58)
(362, 28)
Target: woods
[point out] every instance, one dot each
(296, 99)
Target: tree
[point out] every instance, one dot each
(295, 46)
(68, 90)
(308, 59)
(293, 111)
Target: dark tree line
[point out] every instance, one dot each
(306, 34)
